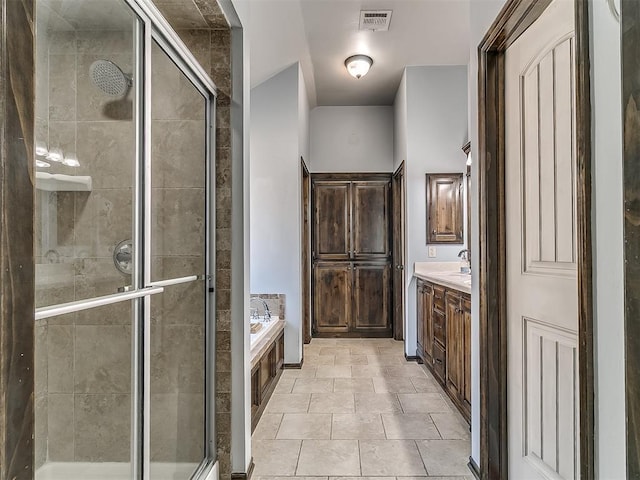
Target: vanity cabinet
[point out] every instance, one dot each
(444, 339)
(264, 376)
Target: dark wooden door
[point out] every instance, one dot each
(371, 298)
(370, 209)
(332, 297)
(427, 302)
(466, 329)
(445, 209)
(332, 220)
(421, 319)
(397, 252)
(454, 344)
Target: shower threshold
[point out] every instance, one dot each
(111, 471)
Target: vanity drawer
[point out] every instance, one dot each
(439, 326)
(438, 297)
(439, 359)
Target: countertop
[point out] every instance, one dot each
(446, 274)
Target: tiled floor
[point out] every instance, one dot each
(357, 408)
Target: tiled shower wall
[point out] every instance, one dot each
(83, 393)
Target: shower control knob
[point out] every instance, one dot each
(123, 257)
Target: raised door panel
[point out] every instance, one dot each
(427, 296)
(466, 329)
(371, 298)
(370, 219)
(454, 344)
(444, 206)
(421, 319)
(332, 297)
(332, 220)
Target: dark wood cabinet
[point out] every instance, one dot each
(371, 297)
(332, 220)
(351, 256)
(444, 208)
(265, 373)
(444, 340)
(332, 297)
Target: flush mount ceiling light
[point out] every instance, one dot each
(358, 65)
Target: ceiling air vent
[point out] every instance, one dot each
(376, 20)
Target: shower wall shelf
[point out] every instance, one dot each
(62, 183)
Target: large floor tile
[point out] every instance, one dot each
(288, 403)
(332, 403)
(426, 384)
(275, 457)
(423, 403)
(285, 385)
(367, 371)
(315, 360)
(267, 427)
(335, 351)
(386, 360)
(329, 457)
(358, 426)
(393, 385)
(351, 360)
(333, 371)
(405, 370)
(364, 349)
(353, 385)
(313, 385)
(299, 372)
(451, 426)
(409, 426)
(305, 426)
(390, 457)
(445, 457)
(377, 403)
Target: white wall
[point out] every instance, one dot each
(435, 130)
(483, 13)
(400, 124)
(351, 139)
(276, 146)
(608, 242)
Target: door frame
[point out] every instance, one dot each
(511, 22)
(398, 211)
(305, 221)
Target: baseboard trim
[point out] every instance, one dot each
(473, 466)
(410, 358)
(242, 475)
(293, 366)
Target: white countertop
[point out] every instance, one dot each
(446, 274)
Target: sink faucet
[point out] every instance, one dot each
(267, 312)
(465, 263)
(464, 254)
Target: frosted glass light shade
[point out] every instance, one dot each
(358, 65)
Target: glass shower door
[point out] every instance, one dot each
(124, 305)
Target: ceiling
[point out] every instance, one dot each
(321, 34)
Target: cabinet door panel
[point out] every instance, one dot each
(332, 297)
(370, 219)
(421, 319)
(466, 322)
(332, 211)
(371, 297)
(444, 206)
(454, 345)
(428, 325)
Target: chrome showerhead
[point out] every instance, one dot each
(109, 78)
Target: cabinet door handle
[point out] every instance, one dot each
(433, 231)
(438, 361)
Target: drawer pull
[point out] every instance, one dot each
(438, 361)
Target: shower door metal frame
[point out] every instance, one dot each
(150, 27)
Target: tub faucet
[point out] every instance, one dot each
(267, 312)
